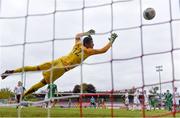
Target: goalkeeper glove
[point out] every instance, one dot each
(90, 32)
(113, 37)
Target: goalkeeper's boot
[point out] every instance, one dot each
(6, 73)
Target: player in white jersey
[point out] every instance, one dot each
(136, 100)
(19, 91)
(126, 102)
(146, 100)
(176, 98)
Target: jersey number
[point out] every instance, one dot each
(77, 51)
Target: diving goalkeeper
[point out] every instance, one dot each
(51, 71)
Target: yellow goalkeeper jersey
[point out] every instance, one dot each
(75, 57)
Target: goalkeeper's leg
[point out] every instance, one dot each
(35, 87)
(43, 66)
(49, 76)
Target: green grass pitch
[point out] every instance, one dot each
(75, 112)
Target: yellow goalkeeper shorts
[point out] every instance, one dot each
(54, 72)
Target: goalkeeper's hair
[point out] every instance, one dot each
(87, 40)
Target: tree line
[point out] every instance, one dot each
(6, 93)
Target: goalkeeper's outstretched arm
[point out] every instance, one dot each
(104, 49)
(92, 51)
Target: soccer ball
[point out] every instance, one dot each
(149, 13)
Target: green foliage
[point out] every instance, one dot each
(6, 93)
(91, 88)
(84, 85)
(76, 89)
(87, 88)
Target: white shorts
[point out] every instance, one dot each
(127, 101)
(177, 100)
(136, 101)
